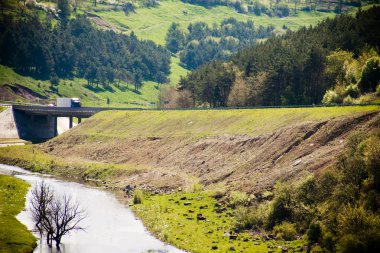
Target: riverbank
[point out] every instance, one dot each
(199, 221)
(109, 226)
(14, 236)
(236, 157)
(245, 150)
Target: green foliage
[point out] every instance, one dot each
(138, 196)
(285, 230)
(359, 229)
(54, 80)
(282, 205)
(175, 38)
(300, 81)
(314, 233)
(64, 7)
(14, 236)
(202, 43)
(252, 217)
(60, 51)
(370, 77)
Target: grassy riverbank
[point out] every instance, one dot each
(14, 236)
(198, 222)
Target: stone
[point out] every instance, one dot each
(233, 236)
(232, 248)
(200, 217)
(187, 203)
(214, 247)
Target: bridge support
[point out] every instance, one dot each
(70, 122)
(35, 128)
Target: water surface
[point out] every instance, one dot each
(110, 224)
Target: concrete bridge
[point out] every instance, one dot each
(39, 123)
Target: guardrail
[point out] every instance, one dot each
(93, 110)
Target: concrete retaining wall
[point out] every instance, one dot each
(8, 128)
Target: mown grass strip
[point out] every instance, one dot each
(202, 123)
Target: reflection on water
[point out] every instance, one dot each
(110, 225)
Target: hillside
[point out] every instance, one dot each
(109, 16)
(166, 149)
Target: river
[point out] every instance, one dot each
(110, 225)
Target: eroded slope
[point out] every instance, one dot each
(244, 149)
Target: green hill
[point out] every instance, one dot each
(146, 23)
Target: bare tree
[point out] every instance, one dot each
(42, 197)
(55, 216)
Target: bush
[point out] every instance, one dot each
(348, 100)
(281, 206)
(138, 196)
(378, 90)
(365, 242)
(54, 80)
(238, 199)
(314, 233)
(370, 75)
(251, 217)
(331, 97)
(357, 220)
(285, 230)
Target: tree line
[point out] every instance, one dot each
(285, 70)
(278, 8)
(200, 43)
(75, 48)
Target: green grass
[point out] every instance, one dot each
(31, 158)
(121, 96)
(14, 236)
(172, 221)
(153, 23)
(201, 123)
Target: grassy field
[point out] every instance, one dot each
(122, 96)
(14, 236)
(201, 123)
(171, 220)
(152, 23)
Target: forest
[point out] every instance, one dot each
(200, 43)
(296, 68)
(76, 48)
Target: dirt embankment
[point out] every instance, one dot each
(16, 91)
(241, 162)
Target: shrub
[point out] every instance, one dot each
(370, 75)
(285, 230)
(54, 80)
(331, 97)
(314, 233)
(281, 206)
(364, 242)
(138, 196)
(348, 100)
(356, 220)
(251, 217)
(238, 199)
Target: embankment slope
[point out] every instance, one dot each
(245, 150)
